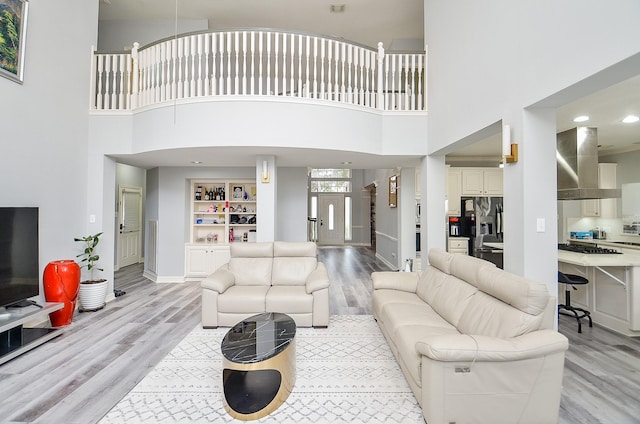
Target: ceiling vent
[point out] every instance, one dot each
(337, 8)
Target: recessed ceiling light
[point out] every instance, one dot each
(630, 119)
(581, 118)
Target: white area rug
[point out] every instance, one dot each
(345, 374)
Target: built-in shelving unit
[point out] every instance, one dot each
(222, 212)
(15, 338)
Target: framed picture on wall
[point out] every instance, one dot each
(13, 33)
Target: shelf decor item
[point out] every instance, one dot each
(13, 32)
(393, 191)
(93, 292)
(61, 281)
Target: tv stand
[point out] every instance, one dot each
(15, 339)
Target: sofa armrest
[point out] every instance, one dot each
(220, 280)
(464, 347)
(405, 281)
(318, 279)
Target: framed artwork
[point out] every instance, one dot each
(13, 32)
(238, 192)
(393, 191)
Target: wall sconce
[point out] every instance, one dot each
(509, 150)
(265, 176)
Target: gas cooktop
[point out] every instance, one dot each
(578, 248)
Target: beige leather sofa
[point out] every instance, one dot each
(268, 277)
(474, 342)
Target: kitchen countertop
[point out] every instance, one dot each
(589, 259)
(598, 259)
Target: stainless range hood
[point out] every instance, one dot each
(577, 156)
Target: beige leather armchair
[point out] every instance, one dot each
(268, 277)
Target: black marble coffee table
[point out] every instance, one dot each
(259, 366)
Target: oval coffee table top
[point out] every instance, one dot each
(258, 338)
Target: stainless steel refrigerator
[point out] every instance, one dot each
(482, 220)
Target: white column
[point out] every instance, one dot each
(407, 221)
(433, 225)
(530, 200)
(267, 194)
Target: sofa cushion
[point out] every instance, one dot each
(243, 299)
(251, 250)
(289, 299)
(398, 315)
(383, 297)
(440, 259)
(251, 271)
(429, 283)
(485, 315)
(526, 295)
(467, 268)
(295, 249)
(251, 263)
(452, 298)
(290, 271)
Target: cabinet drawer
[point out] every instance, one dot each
(458, 244)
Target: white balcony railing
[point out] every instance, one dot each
(258, 63)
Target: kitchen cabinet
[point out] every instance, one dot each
(482, 182)
(458, 245)
(603, 208)
(454, 191)
(201, 260)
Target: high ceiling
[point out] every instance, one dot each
(399, 25)
(605, 109)
(394, 22)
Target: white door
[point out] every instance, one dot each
(129, 222)
(330, 219)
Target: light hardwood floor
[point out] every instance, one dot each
(79, 376)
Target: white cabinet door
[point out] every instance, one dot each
(202, 260)
(454, 191)
(472, 182)
(196, 261)
(493, 184)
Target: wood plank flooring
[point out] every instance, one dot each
(79, 376)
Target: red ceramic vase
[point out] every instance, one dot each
(61, 282)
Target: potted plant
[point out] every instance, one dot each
(93, 292)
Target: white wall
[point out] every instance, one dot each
(114, 35)
(44, 125)
(515, 62)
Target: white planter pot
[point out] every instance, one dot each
(92, 296)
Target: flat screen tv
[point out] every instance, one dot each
(19, 264)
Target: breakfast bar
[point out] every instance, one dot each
(613, 293)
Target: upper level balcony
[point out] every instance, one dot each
(223, 65)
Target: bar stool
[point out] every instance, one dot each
(578, 313)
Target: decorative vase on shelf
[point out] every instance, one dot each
(61, 280)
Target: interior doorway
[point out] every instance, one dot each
(129, 225)
(330, 219)
(372, 214)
